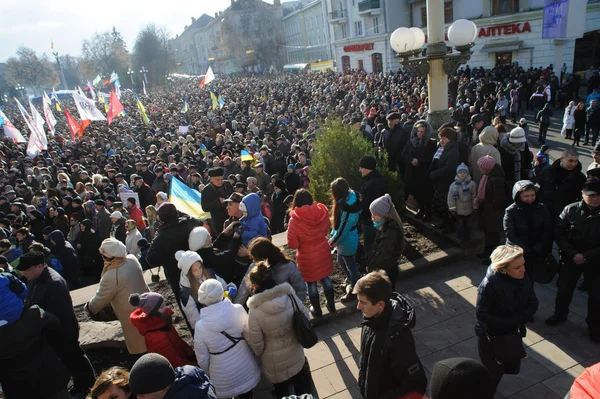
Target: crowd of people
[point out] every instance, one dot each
(97, 210)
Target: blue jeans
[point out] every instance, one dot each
(348, 263)
(312, 286)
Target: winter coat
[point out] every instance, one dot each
(191, 382)
(65, 253)
(170, 239)
(270, 332)
(544, 115)
(253, 224)
(89, 257)
(578, 232)
(235, 371)
(486, 146)
(292, 181)
(593, 116)
(146, 195)
(416, 178)
(103, 224)
(528, 226)
(119, 231)
(580, 117)
(29, 368)
(280, 207)
(504, 304)
(287, 272)
(12, 293)
(508, 161)
(491, 210)
(136, 214)
(389, 366)
(443, 170)
(307, 232)
(133, 236)
(162, 339)
(460, 206)
(373, 187)
(569, 118)
(560, 187)
(501, 106)
(115, 287)
(211, 203)
(344, 236)
(387, 247)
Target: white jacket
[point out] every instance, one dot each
(188, 303)
(133, 236)
(234, 372)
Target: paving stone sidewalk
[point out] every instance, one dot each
(445, 300)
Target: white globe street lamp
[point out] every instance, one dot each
(462, 33)
(402, 40)
(419, 37)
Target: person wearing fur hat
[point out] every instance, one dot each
(442, 173)
(461, 198)
(153, 320)
(121, 276)
(219, 343)
(213, 199)
(491, 199)
(193, 274)
(389, 239)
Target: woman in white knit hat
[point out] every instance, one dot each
(193, 274)
(220, 347)
(389, 239)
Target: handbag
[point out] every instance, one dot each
(506, 348)
(307, 337)
(545, 269)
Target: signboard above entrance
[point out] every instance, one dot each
(359, 47)
(504, 30)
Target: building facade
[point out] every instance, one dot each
(307, 34)
(191, 47)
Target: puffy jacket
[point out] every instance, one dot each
(577, 231)
(163, 341)
(235, 371)
(307, 232)
(488, 139)
(191, 382)
(389, 365)
(344, 236)
(287, 272)
(65, 253)
(587, 385)
(253, 225)
(560, 187)
(270, 332)
(387, 247)
(12, 293)
(504, 304)
(373, 187)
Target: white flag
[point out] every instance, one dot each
(209, 77)
(36, 117)
(37, 139)
(10, 130)
(87, 109)
(144, 86)
(50, 119)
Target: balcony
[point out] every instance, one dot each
(338, 17)
(372, 7)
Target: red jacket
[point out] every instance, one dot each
(166, 343)
(307, 232)
(136, 214)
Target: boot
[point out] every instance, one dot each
(330, 301)
(315, 306)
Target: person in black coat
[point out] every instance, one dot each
(515, 156)
(48, 290)
(580, 117)
(292, 179)
(37, 222)
(417, 157)
(278, 199)
(561, 183)
(117, 228)
(213, 199)
(394, 140)
(373, 187)
(389, 365)
(65, 254)
(506, 301)
(145, 193)
(87, 245)
(527, 225)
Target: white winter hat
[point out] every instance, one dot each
(116, 215)
(185, 260)
(113, 248)
(197, 238)
(210, 292)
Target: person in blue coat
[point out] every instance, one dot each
(253, 223)
(12, 293)
(344, 234)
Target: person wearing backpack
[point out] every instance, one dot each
(543, 117)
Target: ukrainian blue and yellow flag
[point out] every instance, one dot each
(203, 149)
(185, 107)
(221, 102)
(215, 101)
(142, 111)
(246, 156)
(187, 200)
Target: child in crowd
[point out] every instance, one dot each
(542, 159)
(461, 196)
(253, 222)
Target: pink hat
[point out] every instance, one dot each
(486, 163)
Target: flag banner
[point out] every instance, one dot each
(91, 87)
(113, 77)
(144, 86)
(72, 125)
(246, 156)
(37, 138)
(37, 118)
(221, 102)
(87, 109)
(117, 86)
(54, 97)
(114, 108)
(50, 119)
(215, 101)
(209, 77)
(185, 107)
(10, 130)
(187, 200)
(96, 80)
(103, 102)
(142, 110)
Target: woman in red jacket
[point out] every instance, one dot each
(307, 232)
(153, 321)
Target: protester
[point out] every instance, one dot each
(488, 140)
(132, 238)
(373, 187)
(112, 383)
(443, 170)
(461, 199)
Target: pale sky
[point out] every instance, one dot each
(35, 23)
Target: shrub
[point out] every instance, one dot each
(336, 154)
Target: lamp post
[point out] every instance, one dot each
(437, 64)
(130, 73)
(20, 88)
(144, 71)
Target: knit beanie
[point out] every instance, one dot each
(210, 292)
(368, 162)
(462, 166)
(486, 163)
(151, 373)
(460, 378)
(197, 238)
(113, 248)
(185, 260)
(381, 206)
(149, 302)
(167, 213)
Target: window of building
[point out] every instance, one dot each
(358, 28)
(423, 16)
(344, 31)
(353, 2)
(448, 14)
(505, 6)
(376, 25)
